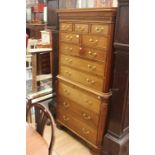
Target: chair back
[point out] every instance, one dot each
(43, 117)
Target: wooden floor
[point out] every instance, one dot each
(65, 144)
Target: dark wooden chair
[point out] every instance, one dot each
(42, 115)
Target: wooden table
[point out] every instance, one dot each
(36, 78)
(35, 143)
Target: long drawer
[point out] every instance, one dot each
(88, 53)
(93, 67)
(86, 79)
(80, 96)
(79, 127)
(80, 112)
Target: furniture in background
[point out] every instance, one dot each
(41, 47)
(34, 32)
(116, 140)
(35, 142)
(85, 57)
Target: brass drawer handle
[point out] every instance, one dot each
(99, 29)
(66, 105)
(68, 73)
(86, 132)
(65, 118)
(90, 81)
(70, 60)
(69, 37)
(71, 49)
(89, 102)
(93, 68)
(85, 116)
(93, 41)
(66, 92)
(81, 28)
(65, 27)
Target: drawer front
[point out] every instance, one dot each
(96, 68)
(66, 27)
(95, 41)
(77, 126)
(77, 111)
(81, 28)
(81, 77)
(89, 53)
(69, 49)
(70, 38)
(87, 100)
(99, 55)
(101, 29)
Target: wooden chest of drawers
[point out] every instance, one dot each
(85, 57)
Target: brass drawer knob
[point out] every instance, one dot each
(92, 82)
(99, 97)
(77, 36)
(80, 48)
(90, 40)
(87, 80)
(94, 67)
(71, 49)
(90, 53)
(89, 66)
(86, 132)
(94, 54)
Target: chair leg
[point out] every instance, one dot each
(28, 104)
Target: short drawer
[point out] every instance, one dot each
(70, 38)
(69, 49)
(66, 27)
(94, 54)
(86, 79)
(87, 100)
(101, 29)
(77, 126)
(95, 41)
(78, 111)
(96, 68)
(81, 28)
